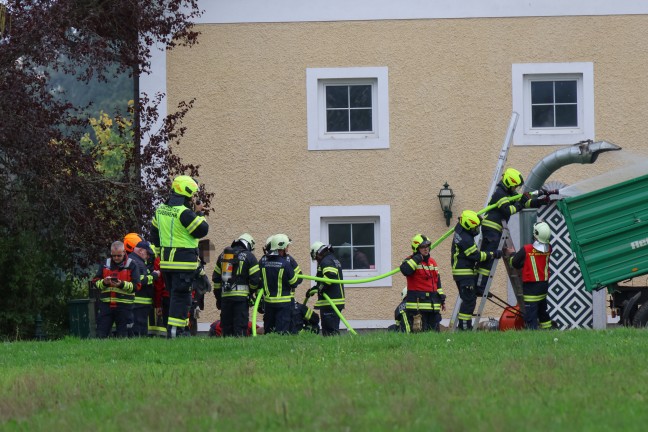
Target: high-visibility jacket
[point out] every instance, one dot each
(125, 271)
(536, 265)
(423, 276)
(535, 272)
(505, 207)
(330, 268)
(423, 284)
(278, 279)
(176, 230)
(464, 254)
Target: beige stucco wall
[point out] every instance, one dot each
(450, 104)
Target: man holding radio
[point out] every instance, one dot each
(117, 279)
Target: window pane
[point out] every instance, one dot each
(364, 258)
(542, 92)
(337, 121)
(343, 253)
(361, 120)
(363, 234)
(542, 116)
(339, 234)
(337, 96)
(566, 116)
(361, 96)
(566, 92)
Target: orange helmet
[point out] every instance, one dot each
(130, 241)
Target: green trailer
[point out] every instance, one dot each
(609, 237)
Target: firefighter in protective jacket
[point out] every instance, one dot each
(465, 257)
(117, 280)
(329, 267)
(505, 207)
(533, 259)
(424, 293)
(175, 232)
(278, 281)
(236, 279)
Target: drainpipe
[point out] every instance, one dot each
(584, 152)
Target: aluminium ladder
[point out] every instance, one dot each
(506, 238)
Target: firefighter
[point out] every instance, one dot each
(465, 257)
(130, 240)
(175, 230)
(305, 319)
(329, 267)
(533, 259)
(117, 279)
(236, 279)
(278, 280)
(143, 302)
(401, 323)
(424, 293)
(505, 207)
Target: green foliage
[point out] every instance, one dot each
(576, 380)
(32, 284)
(111, 144)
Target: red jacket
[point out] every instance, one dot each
(536, 265)
(425, 277)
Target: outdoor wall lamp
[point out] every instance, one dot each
(446, 196)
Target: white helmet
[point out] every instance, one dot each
(279, 242)
(542, 232)
(315, 248)
(247, 240)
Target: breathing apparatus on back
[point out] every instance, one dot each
(229, 265)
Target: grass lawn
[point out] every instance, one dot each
(514, 381)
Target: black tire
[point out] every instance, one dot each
(640, 319)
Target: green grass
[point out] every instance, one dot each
(585, 380)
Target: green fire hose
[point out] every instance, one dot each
(359, 281)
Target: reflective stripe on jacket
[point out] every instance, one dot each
(536, 265)
(178, 248)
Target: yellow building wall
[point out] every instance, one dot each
(450, 104)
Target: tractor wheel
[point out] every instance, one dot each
(640, 319)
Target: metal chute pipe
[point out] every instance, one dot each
(585, 152)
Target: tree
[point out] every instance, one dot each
(61, 209)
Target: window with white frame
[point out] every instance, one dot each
(360, 236)
(347, 108)
(555, 102)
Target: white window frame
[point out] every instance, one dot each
(523, 74)
(380, 215)
(318, 138)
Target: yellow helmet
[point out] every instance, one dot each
(419, 240)
(469, 220)
(185, 186)
(512, 178)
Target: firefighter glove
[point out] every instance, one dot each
(417, 257)
(311, 292)
(496, 254)
(442, 297)
(218, 304)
